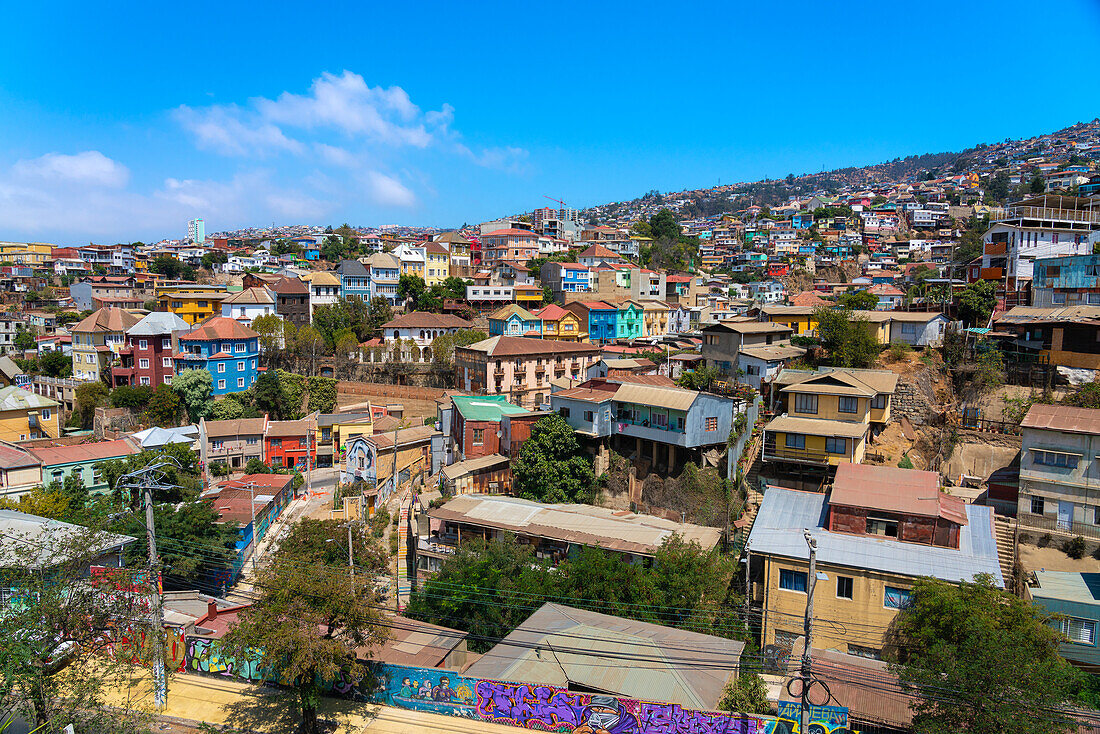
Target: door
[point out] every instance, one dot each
(1065, 515)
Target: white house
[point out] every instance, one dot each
(248, 305)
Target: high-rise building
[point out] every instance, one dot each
(196, 231)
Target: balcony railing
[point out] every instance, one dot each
(1042, 212)
(801, 456)
(647, 424)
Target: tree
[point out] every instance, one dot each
(443, 346)
(747, 694)
(857, 300)
(551, 467)
(305, 627)
(89, 396)
(547, 294)
(163, 408)
(131, 396)
(347, 352)
(58, 643)
(411, 288)
(55, 364)
(700, 378)
(270, 329)
(849, 339)
(981, 661)
(325, 542)
(309, 344)
(977, 301)
(24, 339)
(379, 312)
(195, 388)
(268, 395)
(663, 225)
(454, 288)
(1038, 184)
(172, 268)
(997, 189)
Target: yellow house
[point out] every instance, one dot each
(192, 302)
(26, 253)
(558, 324)
(528, 296)
(25, 416)
(655, 315)
(827, 416)
(346, 428)
(437, 265)
(799, 318)
(877, 530)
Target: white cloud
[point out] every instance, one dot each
(509, 159)
(230, 131)
(337, 156)
(87, 167)
(388, 191)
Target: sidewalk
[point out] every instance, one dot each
(265, 710)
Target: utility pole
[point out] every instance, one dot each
(811, 581)
(351, 556)
(160, 683)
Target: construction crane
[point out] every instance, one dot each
(551, 198)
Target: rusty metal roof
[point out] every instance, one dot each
(887, 488)
(1062, 418)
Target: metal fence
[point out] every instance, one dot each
(1037, 525)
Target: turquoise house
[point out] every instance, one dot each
(81, 460)
(1072, 599)
(630, 321)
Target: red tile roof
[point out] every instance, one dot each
(84, 452)
(219, 327)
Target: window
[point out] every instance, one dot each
(882, 526)
(1058, 299)
(167, 379)
(843, 587)
(479, 436)
(143, 364)
(711, 423)
(239, 347)
(894, 598)
(847, 405)
(45, 414)
(588, 415)
(240, 366)
(165, 361)
(252, 441)
(792, 580)
(143, 343)
(563, 412)
(796, 441)
(907, 328)
(1037, 506)
(217, 445)
(836, 445)
(165, 343)
(253, 364)
(1055, 458)
(805, 403)
(240, 382)
(1079, 631)
(221, 384)
(144, 380)
(1092, 299)
(878, 402)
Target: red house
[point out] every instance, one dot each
(291, 444)
(150, 344)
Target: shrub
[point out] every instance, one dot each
(1074, 547)
(379, 522)
(899, 350)
(219, 469)
(1044, 540)
(906, 462)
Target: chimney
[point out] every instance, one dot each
(211, 610)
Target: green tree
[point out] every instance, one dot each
(547, 295)
(56, 364)
(268, 396)
(849, 340)
(977, 301)
(857, 300)
(270, 329)
(24, 339)
(131, 396)
(256, 466)
(551, 467)
(664, 225)
(325, 542)
(454, 288)
(195, 388)
(89, 396)
(411, 288)
(443, 346)
(172, 268)
(981, 661)
(700, 378)
(307, 626)
(379, 312)
(747, 694)
(163, 408)
(996, 191)
(1038, 184)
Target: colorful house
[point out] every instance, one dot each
(629, 323)
(354, 279)
(599, 317)
(24, 415)
(513, 320)
(290, 444)
(228, 350)
(82, 460)
(561, 324)
(437, 265)
(192, 302)
(656, 318)
(98, 339)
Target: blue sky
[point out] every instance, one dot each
(121, 121)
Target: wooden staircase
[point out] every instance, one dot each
(1004, 531)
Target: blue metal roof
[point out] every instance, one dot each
(786, 514)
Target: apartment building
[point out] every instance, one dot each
(191, 302)
(722, 342)
(520, 368)
(384, 274)
(509, 245)
(148, 355)
(97, 341)
(877, 530)
(1060, 469)
(231, 443)
(292, 301)
(828, 416)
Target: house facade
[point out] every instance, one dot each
(227, 349)
(291, 444)
(520, 368)
(97, 340)
(354, 279)
(292, 301)
(231, 442)
(1060, 469)
(148, 357)
(599, 319)
(422, 327)
(27, 416)
(513, 320)
(560, 324)
(81, 461)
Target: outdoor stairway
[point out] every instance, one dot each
(1006, 549)
(752, 484)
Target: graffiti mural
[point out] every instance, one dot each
(524, 705)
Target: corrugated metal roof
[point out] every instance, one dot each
(1062, 418)
(462, 468)
(816, 427)
(786, 513)
(16, 398)
(485, 407)
(687, 668)
(1067, 586)
(659, 397)
(892, 489)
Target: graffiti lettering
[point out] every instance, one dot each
(670, 718)
(550, 707)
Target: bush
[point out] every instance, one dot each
(219, 469)
(255, 466)
(1044, 540)
(1074, 548)
(379, 522)
(906, 462)
(899, 350)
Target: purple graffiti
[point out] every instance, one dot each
(670, 718)
(547, 707)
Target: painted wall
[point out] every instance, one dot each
(523, 705)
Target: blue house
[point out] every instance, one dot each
(575, 278)
(1075, 598)
(227, 349)
(512, 320)
(802, 221)
(354, 279)
(602, 319)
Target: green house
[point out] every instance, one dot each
(630, 323)
(59, 462)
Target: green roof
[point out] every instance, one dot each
(485, 407)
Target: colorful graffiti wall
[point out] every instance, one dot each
(528, 706)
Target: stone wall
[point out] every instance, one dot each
(110, 423)
(914, 399)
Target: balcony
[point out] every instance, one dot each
(813, 457)
(1083, 216)
(660, 434)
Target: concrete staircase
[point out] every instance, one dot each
(1005, 533)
